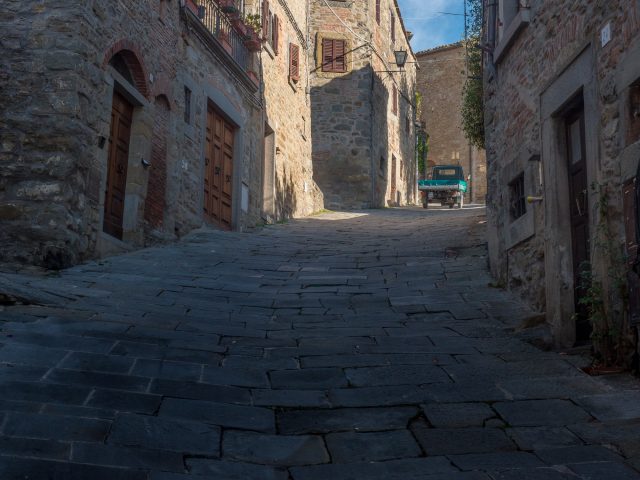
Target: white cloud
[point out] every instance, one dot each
(429, 25)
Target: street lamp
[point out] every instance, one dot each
(401, 60)
(401, 57)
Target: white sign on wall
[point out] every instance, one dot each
(605, 34)
(245, 198)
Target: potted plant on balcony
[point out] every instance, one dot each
(252, 38)
(238, 25)
(229, 6)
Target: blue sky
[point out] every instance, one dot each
(431, 28)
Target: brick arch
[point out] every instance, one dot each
(162, 88)
(133, 58)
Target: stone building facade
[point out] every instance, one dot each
(125, 122)
(441, 79)
(363, 116)
(128, 123)
(562, 123)
(289, 188)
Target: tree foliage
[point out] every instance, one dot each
(473, 93)
(422, 148)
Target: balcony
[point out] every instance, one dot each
(222, 20)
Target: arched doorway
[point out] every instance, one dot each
(130, 71)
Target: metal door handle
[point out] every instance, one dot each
(228, 178)
(216, 170)
(120, 169)
(206, 161)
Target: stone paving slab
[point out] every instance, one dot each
(343, 346)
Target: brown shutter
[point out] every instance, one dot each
(265, 18)
(327, 55)
(393, 27)
(378, 11)
(276, 34)
(395, 100)
(294, 62)
(334, 55)
(340, 65)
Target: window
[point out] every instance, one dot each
(382, 164)
(265, 18)
(507, 11)
(633, 131)
(294, 62)
(518, 205)
(333, 55)
(407, 124)
(394, 108)
(274, 37)
(393, 25)
(378, 11)
(187, 105)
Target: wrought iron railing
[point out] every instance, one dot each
(218, 23)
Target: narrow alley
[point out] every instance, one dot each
(343, 346)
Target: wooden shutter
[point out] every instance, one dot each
(339, 62)
(378, 11)
(276, 34)
(327, 55)
(333, 55)
(294, 62)
(265, 18)
(393, 27)
(395, 100)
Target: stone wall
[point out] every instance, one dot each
(288, 115)
(552, 53)
(55, 125)
(355, 133)
(441, 81)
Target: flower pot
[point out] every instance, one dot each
(228, 6)
(239, 26)
(253, 44)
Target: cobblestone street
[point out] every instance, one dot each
(345, 346)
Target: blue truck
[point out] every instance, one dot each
(445, 186)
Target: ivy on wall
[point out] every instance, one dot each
(473, 93)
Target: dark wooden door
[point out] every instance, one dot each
(120, 134)
(630, 219)
(218, 175)
(394, 184)
(579, 216)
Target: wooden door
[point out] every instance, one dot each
(394, 186)
(630, 219)
(218, 175)
(579, 216)
(119, 137)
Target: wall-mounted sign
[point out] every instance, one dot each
(605, 34)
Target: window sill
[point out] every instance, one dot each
(520, 21)
(520, 230)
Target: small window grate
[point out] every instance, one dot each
(518, 200)
(187, 105)
(633, 132)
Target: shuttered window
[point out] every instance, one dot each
(294, 62)
(378, 11)
(393, 26)
(333, 55)
(265, 18)
(395, 100)
(275, 35)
